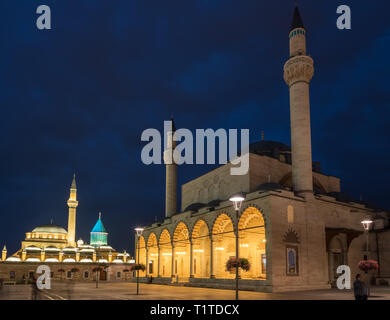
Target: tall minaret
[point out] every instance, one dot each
(171, 173)
(298, 71)
(72, 204)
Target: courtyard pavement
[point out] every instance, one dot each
(127, 290)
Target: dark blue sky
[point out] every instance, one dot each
(77, 98)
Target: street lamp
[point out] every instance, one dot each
(139, 233)
(367, 222)
(367, 225)
(237, 200)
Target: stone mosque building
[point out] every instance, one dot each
(295, 226)
(56, 247)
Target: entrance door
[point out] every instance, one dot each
(103, 275)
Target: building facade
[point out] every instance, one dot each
(56, 247)
(295, 226)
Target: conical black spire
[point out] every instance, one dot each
(173, 124)
(297, 20)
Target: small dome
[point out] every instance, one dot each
(340, 196)
(50, 228)
(195, 206)
(13, 259)
(214, 203)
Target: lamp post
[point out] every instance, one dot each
(139, 233)
(367, 225)
(237, 202)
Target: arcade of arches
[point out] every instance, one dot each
(203, 253)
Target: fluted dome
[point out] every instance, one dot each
(50, 228)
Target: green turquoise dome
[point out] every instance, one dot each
(99, 234)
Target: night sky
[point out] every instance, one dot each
(77, 98)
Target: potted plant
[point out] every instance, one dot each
(242, 263)
(366, 266)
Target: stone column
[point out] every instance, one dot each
(212, 275)
(146, 262)
(191, 261)
(173, 261)
(330, 263)
(158, 261)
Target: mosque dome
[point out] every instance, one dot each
(50, 228)
(272, 149)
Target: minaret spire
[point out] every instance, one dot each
(72, 204)
(298, 72)
(297, 20)
(74, 182)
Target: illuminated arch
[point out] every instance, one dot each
(199, 229)
(252, 242)
(152, 246)
(165, 238)
(181, 259)
(181, 232)
(223, 223)
(165, 245)
(200, 237)
(152, 241)
(224, 245)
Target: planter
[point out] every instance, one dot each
(242, 263)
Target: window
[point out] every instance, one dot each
(31, 274)
(290, 214)
(69, 274)
(151, 266)
(86, 274)
(292, 260)
(12, 275)
(118, 275)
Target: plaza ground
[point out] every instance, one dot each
(126, 291)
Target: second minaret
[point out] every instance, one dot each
(298, 72)
(171, 173)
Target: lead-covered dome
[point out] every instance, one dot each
(50, 228)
